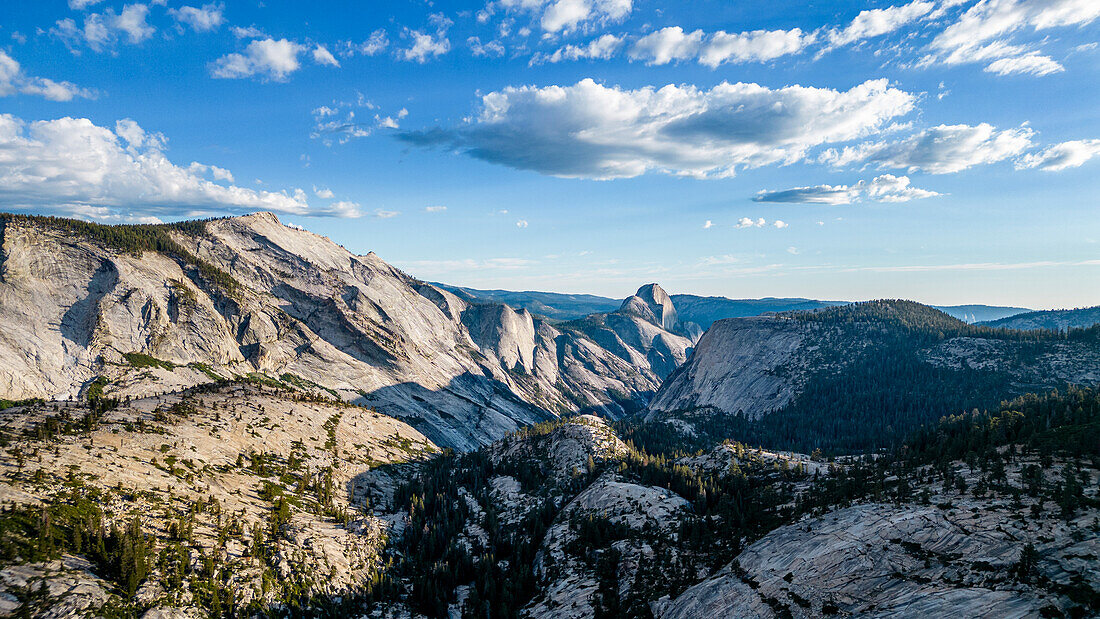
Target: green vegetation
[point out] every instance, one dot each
(141, 360)
(74, 523)
(137, 239)
(870, 384)
(725, 509)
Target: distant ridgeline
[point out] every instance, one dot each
(859, 377)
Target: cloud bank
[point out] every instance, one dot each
(588, 130)
(885, 188)
(73, 166)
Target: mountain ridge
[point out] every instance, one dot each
(249, 295)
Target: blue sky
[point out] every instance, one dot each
(943, 150)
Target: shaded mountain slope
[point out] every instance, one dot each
(861, 376)
(152, 309)
(1054, 320)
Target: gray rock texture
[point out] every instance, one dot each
(74, 309)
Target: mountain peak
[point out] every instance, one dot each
(653, 294)
(267, 216)
(659, 304)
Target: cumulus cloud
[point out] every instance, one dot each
(673, 44)
(877, 22)
(435, 209)
(564, 16)
(73, 166)
(748, 222)
(985, 33)
(588, 130)
(205, 19)
(426, 45)
(268, 59)
(885, 188)
(13, 80)
(522, 223)
(101, 31)
(322, 56)
(324, 193)
(708, 225)
(601, 48)
(1071, 154)
(938, 150)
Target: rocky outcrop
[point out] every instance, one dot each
(206, 470)
(757, 365)
(888, 561)
(254, 296)
(736, 367)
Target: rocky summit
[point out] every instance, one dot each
(239, 418)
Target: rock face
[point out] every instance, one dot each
(645, 331)
(262, 298)
(209, 467)
(758, 365)
(888, 561)
(735, 368)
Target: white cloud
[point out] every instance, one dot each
(251, 32)
(780, 224)
(748, 222)
(391, 122)
(1027, 64)
(492, 49)
(672, 44)
(708, 225)
(435, 209)
(102, 30)
(132, 21)
(877, 22)
(601, 48)
(939, 150)
(13, 80)
(522, 223)
(426, 45)
(340, 123)
(325, 193)
(884, 188)
(375, 44)
(122, 128)
(792, 250)
(74, 166)
(267, 58)
(564, 16)
(1061, 156)
(322, 56)
(384, 214)
(79, 5)
(205, 19)
(985, 31)
(593, 131)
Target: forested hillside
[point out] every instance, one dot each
(863, 376)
